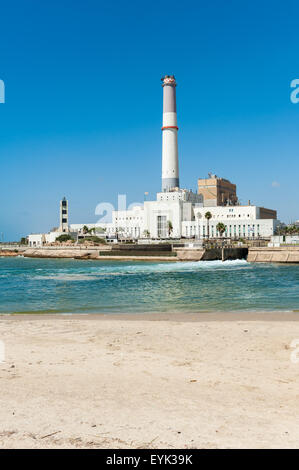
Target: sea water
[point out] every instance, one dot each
(76, 286)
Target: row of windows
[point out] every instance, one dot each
(229, 230)
(234, 215)
(126, 218)
(134, 231)
(221, 216)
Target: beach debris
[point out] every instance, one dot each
(7, 433)
(49, 435)
(245, 331)
(193, 380)
(13, 366)
(148, 444)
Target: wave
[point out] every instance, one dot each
(177, 266)
(64, 277)
(96, 272)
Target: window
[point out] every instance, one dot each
(161, 226)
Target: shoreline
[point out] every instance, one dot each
(158, 317)
(154, 259)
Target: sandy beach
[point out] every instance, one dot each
(149, 381)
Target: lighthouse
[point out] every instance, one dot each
(64, 216)
(170, 164)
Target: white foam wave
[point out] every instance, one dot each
(169, 267)
(113, 270)
(66, 277)
(188, 266)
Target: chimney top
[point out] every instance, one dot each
(168, 80)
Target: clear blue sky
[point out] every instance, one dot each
(83, 107)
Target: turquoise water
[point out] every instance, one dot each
(74, 286)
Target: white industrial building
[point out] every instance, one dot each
(179, 212)
(188, 220)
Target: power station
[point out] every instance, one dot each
(178, 212)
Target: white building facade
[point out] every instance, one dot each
(239, 221)
(40, 239)
(181, 214)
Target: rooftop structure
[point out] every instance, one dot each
(217, 191)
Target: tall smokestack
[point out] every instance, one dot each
(170, 164)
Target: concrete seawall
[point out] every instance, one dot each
(282, 254)
(211, 254)
(133, 252)
(253, 254)
(103, 252)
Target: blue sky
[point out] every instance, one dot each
(83, 106)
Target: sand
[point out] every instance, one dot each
(159, 381)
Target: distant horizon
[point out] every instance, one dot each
(83, 107)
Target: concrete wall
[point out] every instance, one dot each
(274, 255)
(211, 254)
(143, 247)
(184, 254)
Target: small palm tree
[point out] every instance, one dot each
(146, 233)
(85, 229)
(221, 228)
(100, 230)
(169, 227)
(208, 216)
